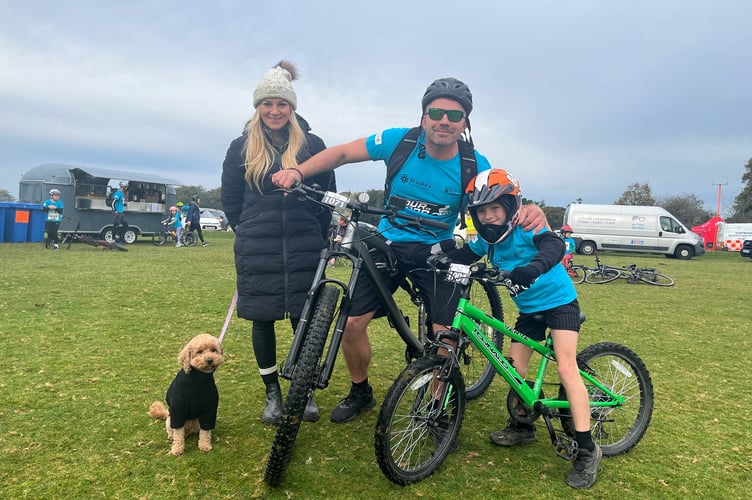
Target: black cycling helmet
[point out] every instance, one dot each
(451, 88)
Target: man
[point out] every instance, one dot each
(193, 222)
(429, 179)
(119, 223)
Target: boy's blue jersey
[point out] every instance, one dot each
(570, 245)
(550, 290)
(54, 210)
(432, 188)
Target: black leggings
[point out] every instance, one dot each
(200, 232)
(264, 341)
(51, 228)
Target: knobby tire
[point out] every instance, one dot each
(616, 429)
(414, 434)
(477, 371)
(301, 384)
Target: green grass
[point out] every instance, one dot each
(90, 338)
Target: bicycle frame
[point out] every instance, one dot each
(361, 261)
(469, 320)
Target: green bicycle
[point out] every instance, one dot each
(420, 419)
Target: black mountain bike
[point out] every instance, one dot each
(309, 366)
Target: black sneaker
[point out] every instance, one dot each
(206, 243)
(585, 468)
(513, 435)
(357, 401)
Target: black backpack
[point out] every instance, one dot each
(468, 164)
(108, 200)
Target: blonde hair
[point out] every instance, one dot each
(259, 152)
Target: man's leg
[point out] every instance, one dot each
(356, 348)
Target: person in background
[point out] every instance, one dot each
(337, 234)
(54, 208)
(543, 288)
(278, 238)
(119, 222)
(193, 222)
(566, 235)
(176, 221)
(431, 181)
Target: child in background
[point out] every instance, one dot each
(176, 222)
(54, 208)
(566, 234)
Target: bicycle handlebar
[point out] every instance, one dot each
(336, 200)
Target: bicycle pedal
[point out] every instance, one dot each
(566, 447)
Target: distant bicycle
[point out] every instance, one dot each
(168, 233)
(576, 272)
(601, 273)
(634, 274)
(76, 236)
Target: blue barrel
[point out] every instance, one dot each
(17, 219)
(3, 208)
(36, 224)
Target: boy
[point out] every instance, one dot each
(543, 289)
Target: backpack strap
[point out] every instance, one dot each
(399, 157)
(468, 165)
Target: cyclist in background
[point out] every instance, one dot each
(119, 222)
(566, 235)
(54, 208)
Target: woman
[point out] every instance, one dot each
(278, 238)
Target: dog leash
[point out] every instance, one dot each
(229, 316)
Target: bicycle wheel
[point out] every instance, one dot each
(300, 385)
(603, 275)
(189, 238)
(617, 429)
(159, 239)
(654, 278)
(576, 273)
(477, 371)
(414, 434)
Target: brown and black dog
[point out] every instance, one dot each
(192, 397)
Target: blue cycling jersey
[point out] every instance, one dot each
(551, 289)
(426, 186)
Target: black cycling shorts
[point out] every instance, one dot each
(533, 325)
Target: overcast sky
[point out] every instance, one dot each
(578, 99)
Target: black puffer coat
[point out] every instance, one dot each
(278, 238)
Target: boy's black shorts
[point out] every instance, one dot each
(566, 317)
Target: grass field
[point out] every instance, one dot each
(90, 338)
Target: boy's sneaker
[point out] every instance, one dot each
(585, 468)
(56, 246)
(513, 435)
(204, 243)
(359, 400)
(178, 245)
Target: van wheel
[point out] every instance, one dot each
(684, 252)
(587, 248)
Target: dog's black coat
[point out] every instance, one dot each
(193, 395)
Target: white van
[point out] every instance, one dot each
(630, 228)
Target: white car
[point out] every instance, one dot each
(212, 218)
